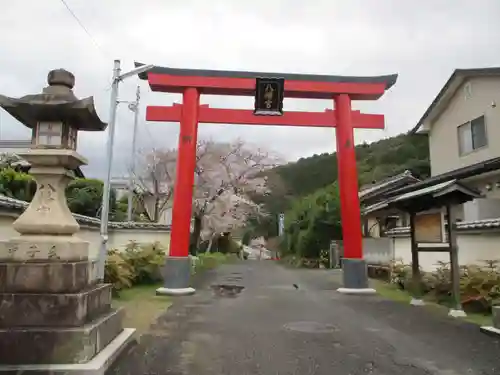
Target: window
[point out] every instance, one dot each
(472, 135)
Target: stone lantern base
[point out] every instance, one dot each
(55, 317)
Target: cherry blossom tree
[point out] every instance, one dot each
(225, 214)
(154, 182)
(225, 176)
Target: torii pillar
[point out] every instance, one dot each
(341, 90)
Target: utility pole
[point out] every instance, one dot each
(134, 107)
(113, 104)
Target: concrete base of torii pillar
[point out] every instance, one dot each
(54, 315)
(355, 277)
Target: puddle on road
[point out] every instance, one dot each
(227, 290)
(310, 327)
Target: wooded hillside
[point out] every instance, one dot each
(376, 161)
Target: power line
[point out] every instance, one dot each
(148, 132)
(94, 41)
(75, 17)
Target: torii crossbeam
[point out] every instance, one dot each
(192, 83)
(209, 115)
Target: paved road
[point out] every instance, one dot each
(271, 328)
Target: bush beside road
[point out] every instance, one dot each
(136, 274)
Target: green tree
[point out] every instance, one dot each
(375, 161)
(84, 196)
(312, 223)
(275, 201)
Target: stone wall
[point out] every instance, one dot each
(120, 234)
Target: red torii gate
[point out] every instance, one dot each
(192, 83)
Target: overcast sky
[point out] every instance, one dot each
(422, 41)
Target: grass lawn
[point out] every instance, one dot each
(142, 306)
(391, 292)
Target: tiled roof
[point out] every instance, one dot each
(462, 226)
(374, 207)
(18, 205)
(369, 187)
(388, 80)
(456, 174)
(479, 224)
(434, 191)
(398, 231)
(387, 182)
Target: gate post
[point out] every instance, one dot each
(177, 269)
(355, 277)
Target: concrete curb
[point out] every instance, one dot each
(175, 291)
(361, 291)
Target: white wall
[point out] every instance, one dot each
(118, 237)
(377, 250)
(443, 138)
(473, 248)
(488, 208)
(471, 210)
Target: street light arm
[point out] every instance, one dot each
(136, 71)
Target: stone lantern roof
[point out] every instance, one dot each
(57, 102)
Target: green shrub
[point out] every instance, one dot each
(141, 264)
(479, 284)
(133, 266)
(400, 273)
(226, 244)
(208, 261)
(146, 262)
(118, 272)
(324, 258)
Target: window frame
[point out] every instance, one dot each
(469, 133)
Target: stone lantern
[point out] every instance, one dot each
(53, 310)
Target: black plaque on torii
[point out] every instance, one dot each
(269, 94)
